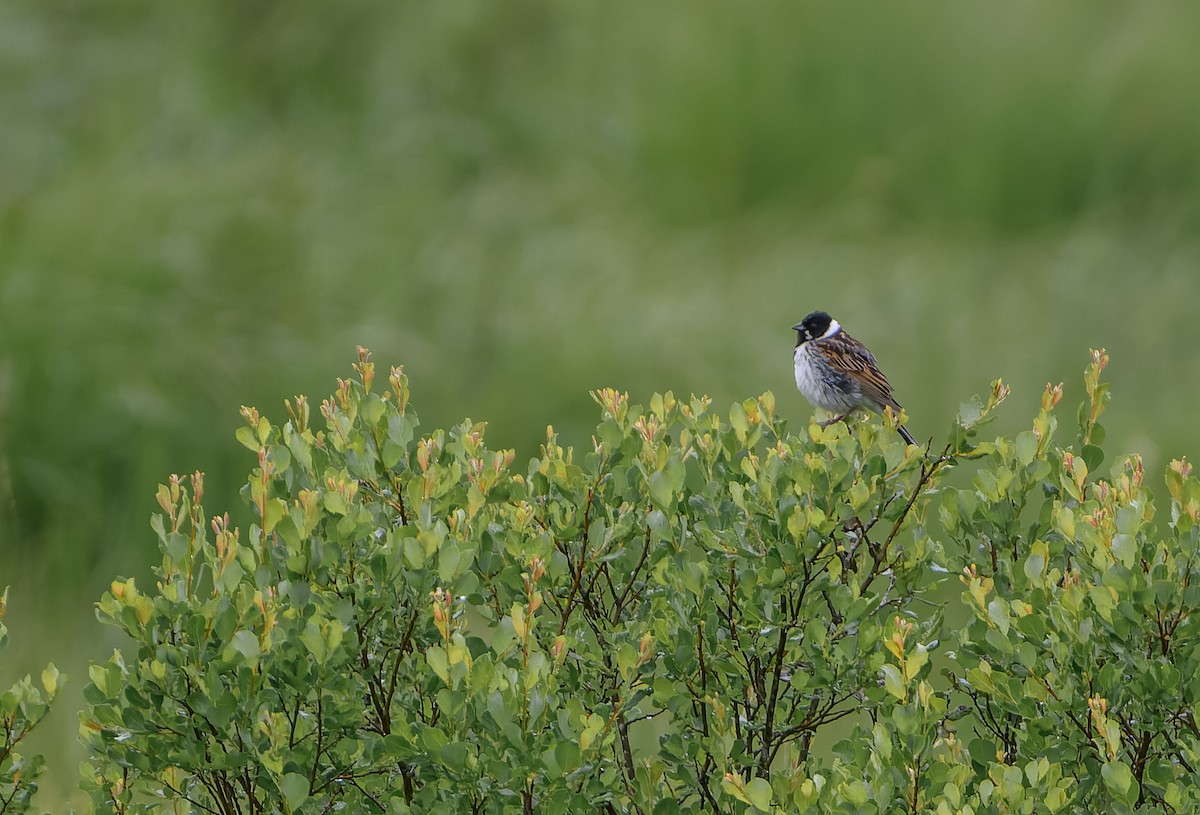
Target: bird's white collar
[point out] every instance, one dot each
(834, 327)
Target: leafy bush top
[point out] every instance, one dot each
(699, 612)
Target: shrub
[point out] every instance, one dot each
(22, 707)
(1081, 656)
(697, 613)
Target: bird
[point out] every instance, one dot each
(838, 373)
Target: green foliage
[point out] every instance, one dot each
(22, 707)
(1080, 660)
(698, 613)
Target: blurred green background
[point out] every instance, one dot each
(209, 204)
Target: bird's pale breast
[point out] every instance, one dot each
(823, 386)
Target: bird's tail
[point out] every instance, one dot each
(904, 434)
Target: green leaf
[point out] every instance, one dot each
(1124, 549)
(1092, 456)
(1119, 780)
(454, 755)
(1035, 564)
(314, 641)
(660, 490)
(301, 450)
(914, 661)
(1056, 799)
(566, 753)
(759, 793)
(248, 438)
(517, 616)
(52, 680)
(246, 644)
(998, 614)
(738, 420)
(294, 787)
(857, 793)
(335, 503)
(275, 510)
(881, 740)
(969, 413)
(859, 494)
(176, 546)
(372, 408)
(500, 712)
(414, 553)
(400, 430)
(732, 787)
(1026, 447)
(449, 561)
(1174, 478)
(893, 682)
(438, 662)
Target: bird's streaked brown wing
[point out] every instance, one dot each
(854, 359)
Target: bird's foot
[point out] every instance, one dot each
(835, 419)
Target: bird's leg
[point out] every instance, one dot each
(836, 419)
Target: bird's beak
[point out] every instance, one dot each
(797, 326)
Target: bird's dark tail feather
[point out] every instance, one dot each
(904, 434)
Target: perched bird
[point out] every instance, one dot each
(837, 373)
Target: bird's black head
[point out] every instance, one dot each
(815, 326)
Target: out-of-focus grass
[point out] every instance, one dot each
(210, 204)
